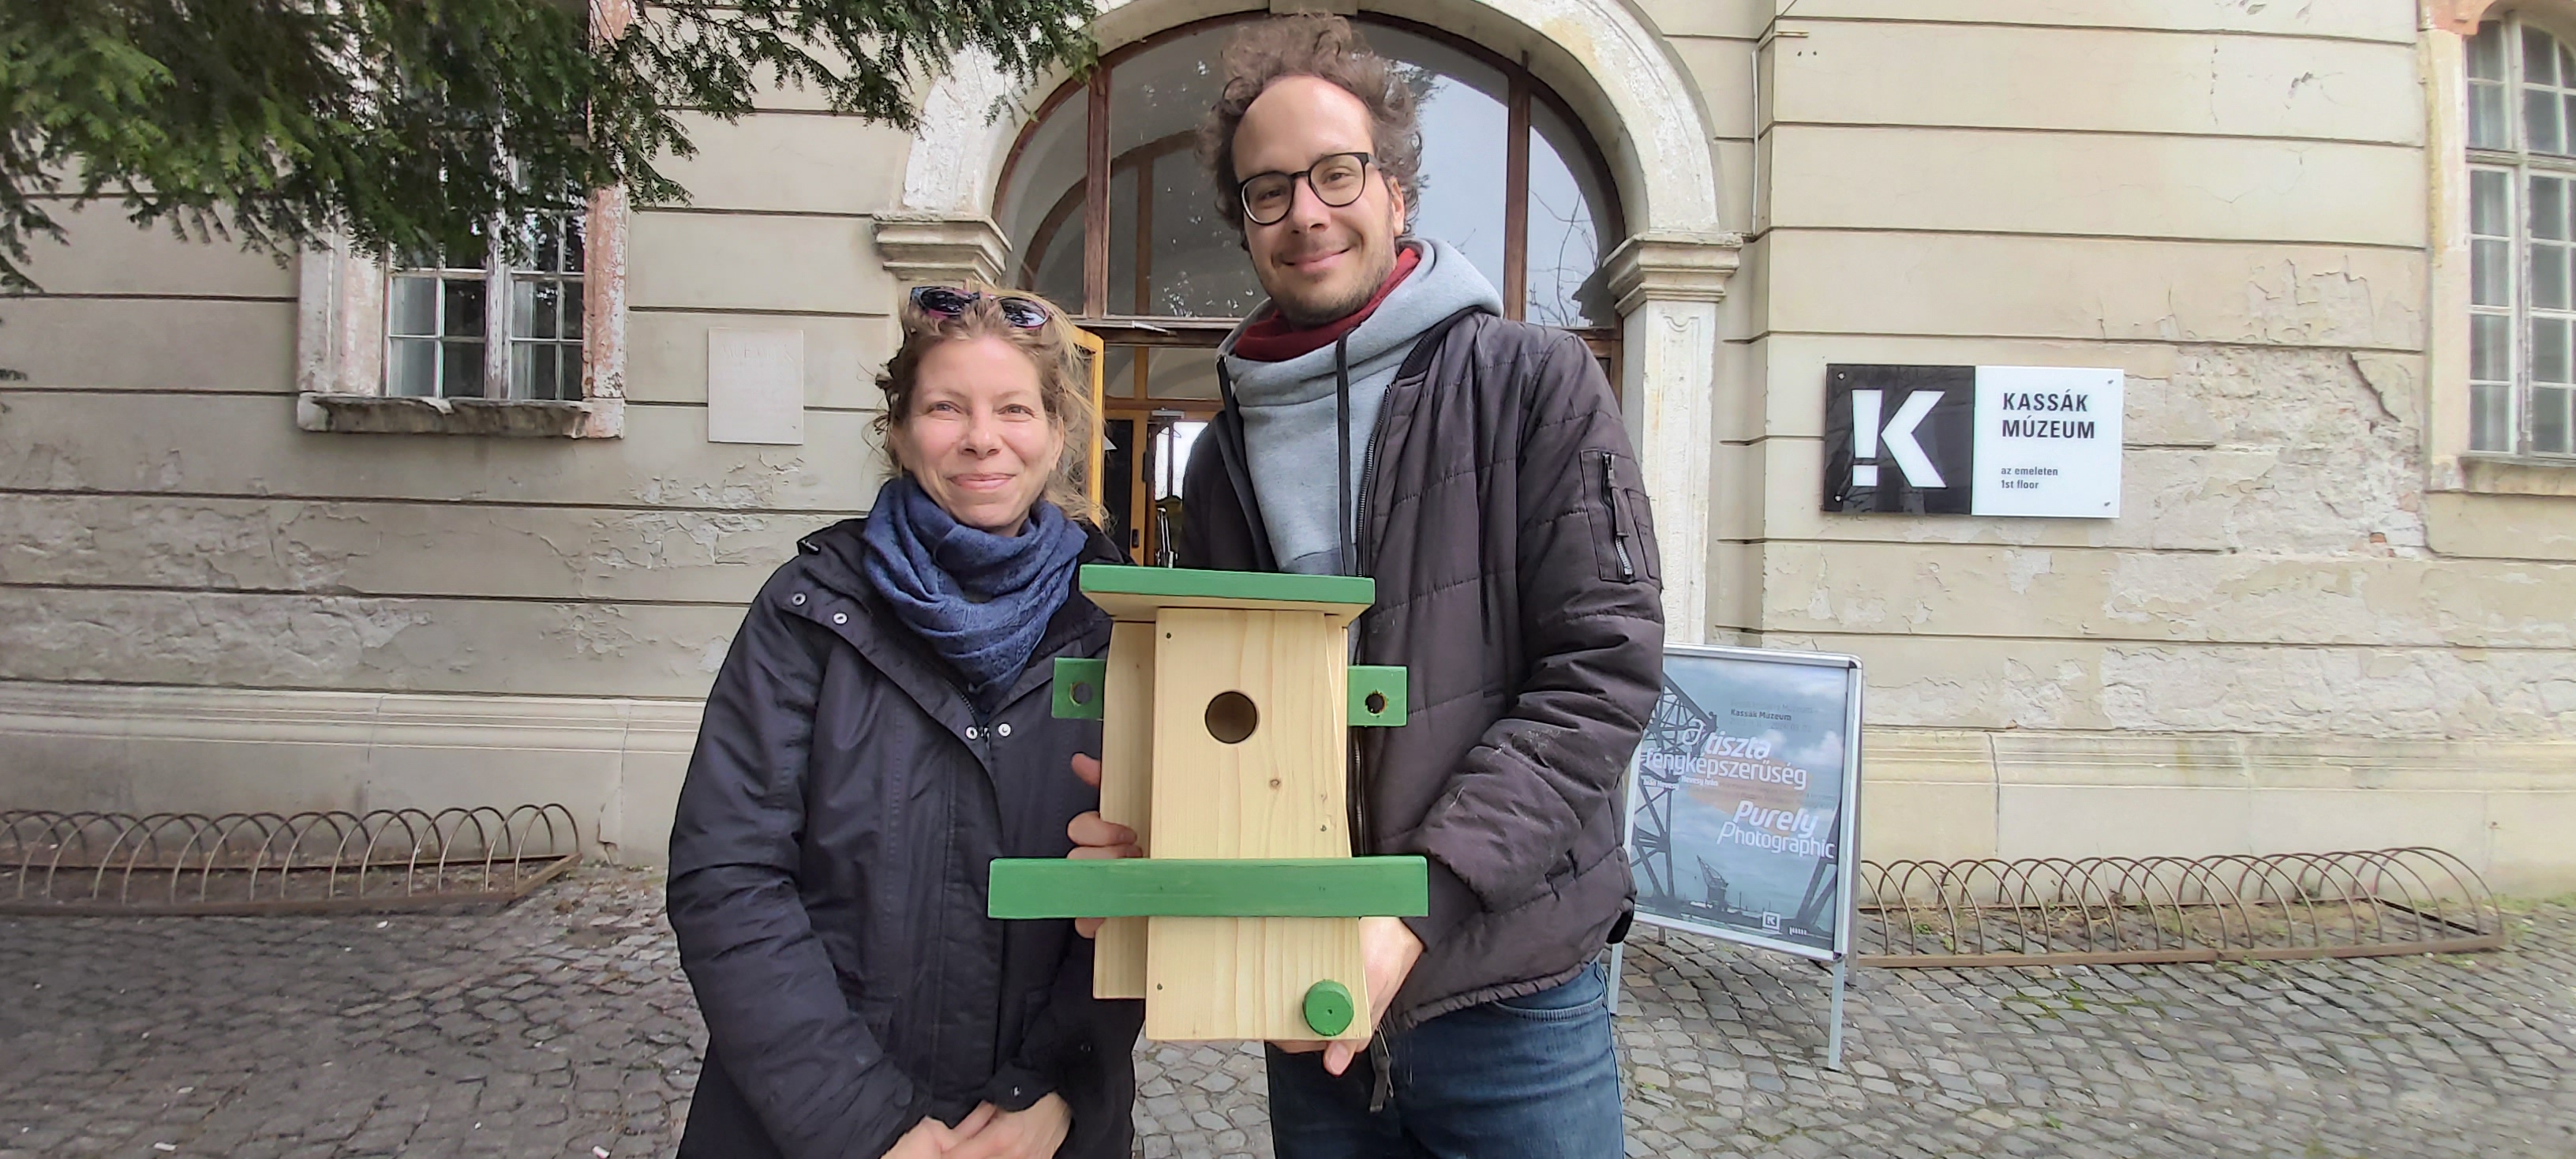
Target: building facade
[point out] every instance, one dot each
(332, 535)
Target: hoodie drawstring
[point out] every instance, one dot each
(1343, 534)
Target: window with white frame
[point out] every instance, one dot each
(2522, 237)
(499, 329)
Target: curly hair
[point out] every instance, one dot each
(1064, 381)
(1328, 48)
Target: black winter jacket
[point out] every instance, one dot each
(1501, 512)
(828, 875)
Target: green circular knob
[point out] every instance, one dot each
(1329, 1008)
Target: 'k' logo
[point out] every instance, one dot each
(1899, 438)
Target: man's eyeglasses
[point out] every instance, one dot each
(1338, 179)
(946, 302)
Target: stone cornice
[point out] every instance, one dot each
(1673, 266)
(938, 247)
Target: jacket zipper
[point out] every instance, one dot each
(1363, 842)
(1618, 533)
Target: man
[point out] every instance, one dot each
(1487, 484)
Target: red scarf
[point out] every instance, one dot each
(1273, 339)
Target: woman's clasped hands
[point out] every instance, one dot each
(990, 1132)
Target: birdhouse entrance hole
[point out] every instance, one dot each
(1231, 717)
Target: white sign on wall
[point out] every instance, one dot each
(756, 386)
(2048, 442)
(1973, 440)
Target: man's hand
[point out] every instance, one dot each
(1031, 1134)
(1389, 950)
(1095, 839)
(930, 1139)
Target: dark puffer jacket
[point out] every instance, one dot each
(1501, 512)
(828, 874)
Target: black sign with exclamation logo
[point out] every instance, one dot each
(1900, 438)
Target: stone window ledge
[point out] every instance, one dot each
(2491, 474)
(367, 414)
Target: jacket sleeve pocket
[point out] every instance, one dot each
(1623, 530)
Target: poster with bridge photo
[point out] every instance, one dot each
(1743, 795)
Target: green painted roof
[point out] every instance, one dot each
(1186, 583)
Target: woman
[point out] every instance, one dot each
(880, 732)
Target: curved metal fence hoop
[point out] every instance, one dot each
(13, 826)
(2034, 905)
(2386, 873)
(151, 839)
(302, 825)
(2114, 910)
(1986, 871)
(249, 863)
(2097, 905)
(1919, 922)
(1965, 910)
(414, 823)
(1901, 893)
(63, 831)
(122, 832)
(445, 834)
(2469, 885)
(2323, 890)
(340, 849)
(230, 824)
(2121, 884)
(2416, 896)
(218, 830)
(1893, 885)
(2466, 881)
(2337, 882)
(493, 849)
(2228, 901)
(521, 825)
(448, 825)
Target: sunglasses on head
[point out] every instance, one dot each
(946, 302)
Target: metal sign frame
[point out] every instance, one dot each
(1847, 849)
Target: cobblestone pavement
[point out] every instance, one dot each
(562, 1028)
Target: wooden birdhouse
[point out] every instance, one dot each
(1224, 702)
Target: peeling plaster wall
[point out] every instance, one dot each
(2276, 507)
(2229, 202)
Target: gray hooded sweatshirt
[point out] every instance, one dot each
(1289, 420)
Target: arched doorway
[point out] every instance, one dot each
(1106, 209)
(1629, 95)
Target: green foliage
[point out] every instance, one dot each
(407, 125)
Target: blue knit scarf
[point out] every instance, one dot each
(981, 601)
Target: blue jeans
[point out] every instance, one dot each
(1523, 1078)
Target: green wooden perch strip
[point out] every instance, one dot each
(1335, 887)
(1376, 692)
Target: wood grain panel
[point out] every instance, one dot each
(1276, 793)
